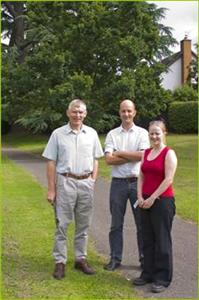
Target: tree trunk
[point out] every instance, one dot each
(16, 10)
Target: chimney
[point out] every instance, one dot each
(186, 58)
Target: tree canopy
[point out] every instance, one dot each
(98, 51)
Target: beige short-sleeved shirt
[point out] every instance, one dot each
(73, 152)
(118, 139)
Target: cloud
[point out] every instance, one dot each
(182, 16)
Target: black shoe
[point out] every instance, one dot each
(157, 288)
(140, 281)
(112, 265)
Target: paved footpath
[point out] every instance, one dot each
(184, 284)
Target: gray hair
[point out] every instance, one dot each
(77, 103)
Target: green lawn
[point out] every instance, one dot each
(28, 233)
(186, 177)
(28, 229)
(26, 141)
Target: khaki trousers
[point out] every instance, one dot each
(74, 201)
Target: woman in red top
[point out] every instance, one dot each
(156, 200)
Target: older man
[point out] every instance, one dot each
(123, 150)
(72, 152)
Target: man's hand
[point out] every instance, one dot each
(51, 175)
(51, 197)
(130, 156)
(114, 159)
(118, 153)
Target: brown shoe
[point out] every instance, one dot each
(59, 271)
(84, 267)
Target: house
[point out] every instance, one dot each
(178, 66)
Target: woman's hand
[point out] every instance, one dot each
(148, 202)
(140, 202)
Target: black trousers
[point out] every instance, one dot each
(157, 243)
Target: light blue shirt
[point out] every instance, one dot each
(73, 152)
(119, 139)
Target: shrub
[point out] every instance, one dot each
(183, 117)
(185, 93)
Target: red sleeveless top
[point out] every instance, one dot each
(154, 173)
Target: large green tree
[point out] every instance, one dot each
(99, 51)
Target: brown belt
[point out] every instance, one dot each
(130, 179)
(78, 177)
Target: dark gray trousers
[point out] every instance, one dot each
(121, 191)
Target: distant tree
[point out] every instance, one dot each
(14, 49)
(99, 51)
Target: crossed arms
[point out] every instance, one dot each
(122, 157)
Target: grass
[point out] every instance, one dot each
(185, 184)
(27, 265)
(26, 141)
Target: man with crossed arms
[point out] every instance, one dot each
(123, 150)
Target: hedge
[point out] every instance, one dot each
(183, 117)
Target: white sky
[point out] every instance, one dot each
(182, 16)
